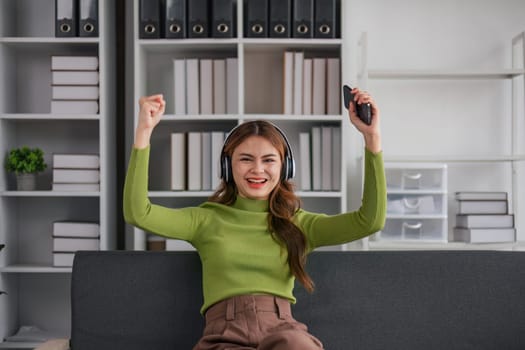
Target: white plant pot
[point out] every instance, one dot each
(26, 182)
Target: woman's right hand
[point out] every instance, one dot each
(151, 110)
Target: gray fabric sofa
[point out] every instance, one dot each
(363, 300)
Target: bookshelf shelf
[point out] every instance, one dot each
(38, 291)
(445, 74)
(18, 345)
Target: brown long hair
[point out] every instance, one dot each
(283, 203)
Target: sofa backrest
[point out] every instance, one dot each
(363, 300)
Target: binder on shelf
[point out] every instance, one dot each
(319, 86)
(336, 158)
(232, 86)
(206, 86)
(219, 86)
(325, 19)
(303, 16)
(256, 18)
(198, 26)
(326, 158)
(206, 161)
(307, 86)
(66, 22)
(88, 18)
(280, 14)
(72, 244)
(76, 229)
(149, 26)
(178, 161)
(223, 19)
(76, 161)
(298, 82)
(192, 86)
(288, 82)
(76, 176)
(78, 92)
(179, 78)
(484, 235)
(175, 19)
(305, 165)
(217, 140)
(316, 159)
(333, 86)
(194, 148)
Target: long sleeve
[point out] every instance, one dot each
(139, 211)
(322, 230)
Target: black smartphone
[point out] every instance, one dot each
(363, 110)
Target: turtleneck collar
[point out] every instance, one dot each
(256, 205)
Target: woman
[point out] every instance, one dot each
(251, 235)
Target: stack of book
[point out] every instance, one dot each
(319, 160)
(74, 84)
(76, 172)
(205, 86)
(195, 160)
(70, 237)
(311, 85)
(483, 218)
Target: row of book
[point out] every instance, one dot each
(195, 160)
(70, 237)
(178, 19)
(319, 161)
(76, 18)
(206, 86)
(311, 85)
(76, 172)
(483, 217)
(74, 84)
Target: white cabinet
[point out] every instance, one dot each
(260, 96)
(37, 292)
(472, 120)
(416, 203)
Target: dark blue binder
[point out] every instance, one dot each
(325, 19)
(303, 16)
(175, 19)
(198, 20)
(149, 26)
(66, 20)
(88, 18)
(256, 18)
(280, 18)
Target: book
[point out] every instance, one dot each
(484, 235)
(333, 86)
(178, 245)
(206, 86)
(232, 86)
(482, 207)
(319, 86)
(192, 86)
(76, 161)
(75, 229)
(63, 259)
(74, 63)
(74, 77)
(74, 106)
(307, 86)
(206, 161)
(305, 168)
(326, 158)
(288, 82)
(75, 92)
(76, 176)
(63, 244)
(179, 79)
(337, 160)
(481, 195)
(217, 141)
(178, 161)
(78, 187)
(194, 148)
(316, 159)
(298, 82)
(484, 221)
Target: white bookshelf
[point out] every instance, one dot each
(38, 292)
(260, 75)
(469, 119)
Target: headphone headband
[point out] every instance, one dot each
(288, 170)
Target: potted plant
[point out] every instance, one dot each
(25, 163)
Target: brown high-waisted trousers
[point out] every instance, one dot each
(250, 322)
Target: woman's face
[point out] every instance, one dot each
(256, 167)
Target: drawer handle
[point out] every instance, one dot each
(415, 176)
(412, 205)
(413, 226)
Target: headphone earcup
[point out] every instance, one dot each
(226, 169)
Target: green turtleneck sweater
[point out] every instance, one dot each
(238, 254)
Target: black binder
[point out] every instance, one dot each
(175, 19)
(280, 14)
(303, 16)
(325, 19)
(88, 18)
(256, 18)
(66, 18)
(223, 19)
(198, 26)
(149, 19)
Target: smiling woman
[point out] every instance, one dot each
(252, 235)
